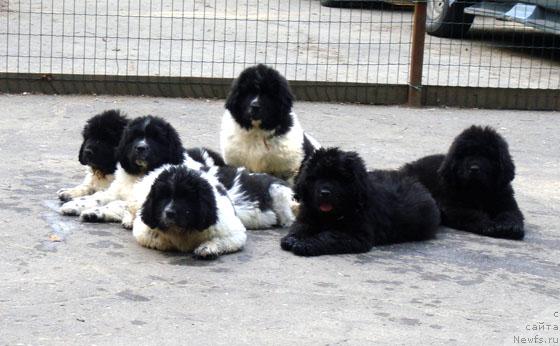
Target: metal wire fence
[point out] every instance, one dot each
(368, 43)
(496, 53)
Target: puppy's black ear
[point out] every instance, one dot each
(122, 157)
(300, 180)
(355, 165)
(149, 215)
(176, 150)
(208, 211)
(284, 93)
(233, 97)
(505, 164)
(447, 169)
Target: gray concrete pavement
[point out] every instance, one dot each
(302, 39)
(97, 286)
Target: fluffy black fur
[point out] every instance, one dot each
(345, 209)
(182, 199)
(147, 143)
(101, 136)
(472, 184)
(262, 94)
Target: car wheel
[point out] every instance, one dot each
(447, 18)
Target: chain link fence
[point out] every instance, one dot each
(349, 51)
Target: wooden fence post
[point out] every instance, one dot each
(417, 56)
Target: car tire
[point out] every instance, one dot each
(448, 20)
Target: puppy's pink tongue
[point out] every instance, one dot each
(325, 207)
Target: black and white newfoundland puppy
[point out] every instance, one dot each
(259, 129)
(147, 143)
(472, 184)
(101, 136)
(345, 209)
(187, 210)
(261, 200)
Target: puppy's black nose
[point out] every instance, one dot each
(255, 104)
(141, 147)
(324, 192)
(170, 213)
(474, 168)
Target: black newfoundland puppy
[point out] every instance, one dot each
(101, 136)
(345, 209)
(472, 184)
(259, 129)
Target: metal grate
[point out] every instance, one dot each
(325, 48)
(303, 39)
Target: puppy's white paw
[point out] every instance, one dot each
(295, 207)
(207, 251)
(65, 194)
(286, 222)
(72, 208)
(92, 215)
(77, 206)
(127, 221)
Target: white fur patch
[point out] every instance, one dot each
(282, 203)
(259, 151)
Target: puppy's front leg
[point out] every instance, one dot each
(112, 212)
(330, 243)
(227, 238)
(84, 189)
(283, 203)
(128, 220)
(150, 238)
(78, 205)
(464, 219)
(297, 232)
(69, 193)
(509, 223)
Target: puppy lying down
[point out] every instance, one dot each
(472, 184)
(261, 201)
(101, 136)
(345, 209)
(187, 210)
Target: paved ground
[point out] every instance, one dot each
(97, 286)
(299, 37)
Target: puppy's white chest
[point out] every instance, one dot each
(259, 151)
(262, 153)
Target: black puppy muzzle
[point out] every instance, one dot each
(324, 195)
(474, 168)
(141, 150)
(88, 154)
(254, 108)
(168, 216)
